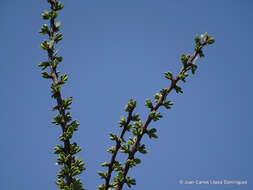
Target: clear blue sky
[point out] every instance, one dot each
(116, 50)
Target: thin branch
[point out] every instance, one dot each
(155, 108)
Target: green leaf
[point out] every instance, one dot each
(168, 75)
(184, 59)
(113, 137)
(44, 29)
(57, 61)
(44, 65)
(46, 75)
(167, 104)
(125, 148)
(130, 106)
(164, 91)
(117, 166)
(141, 149)
(157, 97)
(149, 104)
(63, 79)
(57, 24)
(183, 76)
(58, 37)
(45, 15)
(151, 133)
(201, 54)
(210, 40)
(59, 6)
(66, 103)
(197, 40)
(101, 174)
(194, 68)
(178, 89)
(105, 164)
(203, 36)
(44, 45)
(155, 116)
(112, 150)
(53, 15)
(122, 121)
(74, 148)
(130, 181)
(136, 117)
(58, 149)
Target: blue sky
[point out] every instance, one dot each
(116, 50)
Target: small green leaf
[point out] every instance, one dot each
(184, 59)
(53, 15)
(194, 68)
(197, 40)
(183, 76)
(122, 121)
(57, 24)
(201, 54)
(46, 75)
(59, 6)
(203, 36)
(44, 65)
(149, 104)
(164, 91)
(112, 150)
(45, 15)
(44, 45)
(178, 89)
(151, 133)
(63, 79)
(102, 174)
(44, 29)
(105, 164)
(210, 40)
(167, 104)
(168, 75)
(155, 116)
(113, 137)
(58, 37)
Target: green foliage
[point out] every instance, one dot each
(155, 116)
(71, 166)
(132, 124)
(168, 75)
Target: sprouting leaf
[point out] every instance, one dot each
(194, 68)
(53, 15)
(155, 116)
(58, 37)
(44, 29)
(46, 75)
(167, 104)
(149, 103)
(57, 24)
(210, 40)
(44, 45)
(102, 174)
(168, 75)
(178, 89)
(59, 6)
(203, 36)
(45, 15)
(184, 59)
(44, 65)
